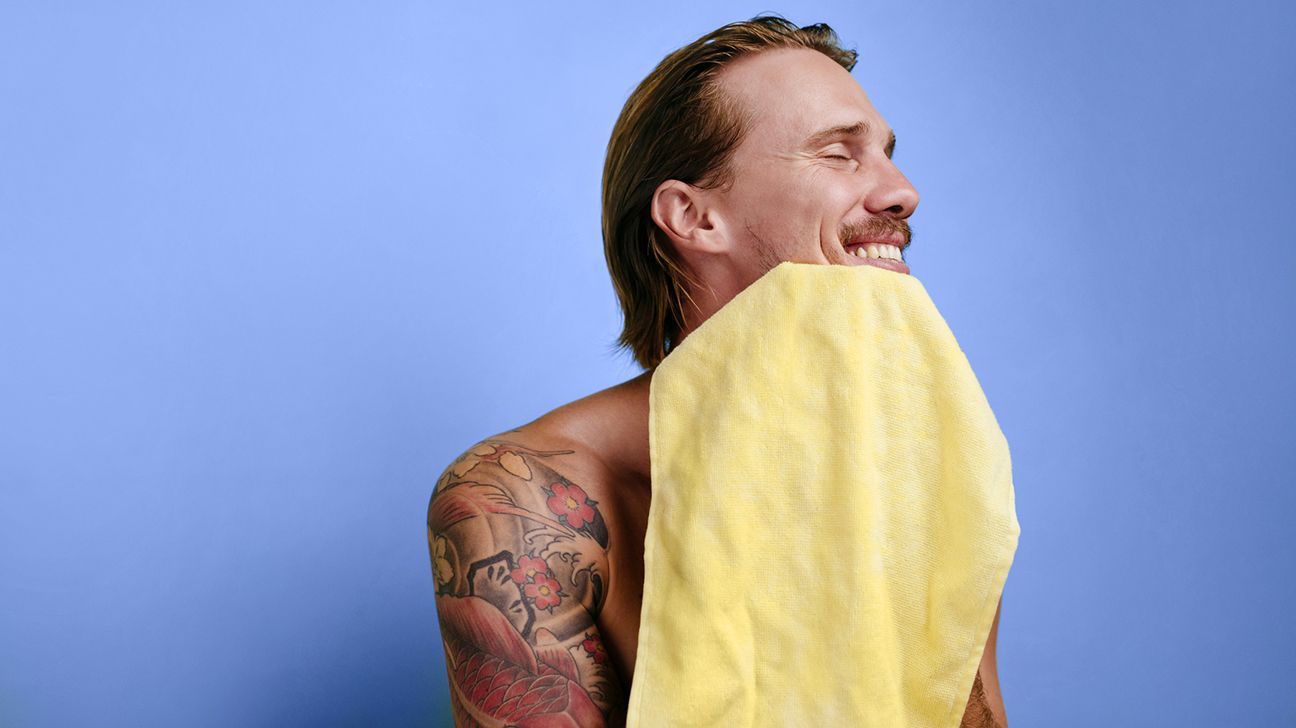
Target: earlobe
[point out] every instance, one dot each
(682, 211)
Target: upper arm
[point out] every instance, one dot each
(520, 566)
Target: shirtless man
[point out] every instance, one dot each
(751, 146)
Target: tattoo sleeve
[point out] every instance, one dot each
(519, 559)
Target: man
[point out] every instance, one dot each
(751, 146)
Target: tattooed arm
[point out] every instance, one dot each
(519, 559)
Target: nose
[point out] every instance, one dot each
(891, 195)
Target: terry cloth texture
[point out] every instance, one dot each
(832, 516)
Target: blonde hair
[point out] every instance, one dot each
(678, 124)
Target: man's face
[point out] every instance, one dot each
(813, 177)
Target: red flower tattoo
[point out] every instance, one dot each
(571, 503)
(544, 591)
(527, 569)
(593, 645)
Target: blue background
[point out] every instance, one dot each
(265, 270)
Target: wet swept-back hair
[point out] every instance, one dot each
(677, 124)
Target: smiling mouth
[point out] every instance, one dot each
(879, 255)
(876, 241)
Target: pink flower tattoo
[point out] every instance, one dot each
(544, 591)
(571, 504)
(593, 645)
(528, 569)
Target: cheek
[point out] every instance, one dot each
(784, 203)
(836, 192)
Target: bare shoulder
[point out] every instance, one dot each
(510, 493)
(519, 559)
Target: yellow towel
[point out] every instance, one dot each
(832, 515)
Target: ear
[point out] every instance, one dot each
(688, 217)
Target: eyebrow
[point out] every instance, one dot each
(858, 128)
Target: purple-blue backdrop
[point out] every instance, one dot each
(266, 268)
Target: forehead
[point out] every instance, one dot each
(790, 93)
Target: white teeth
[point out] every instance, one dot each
(875, 250)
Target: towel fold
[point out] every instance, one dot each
(832, 517)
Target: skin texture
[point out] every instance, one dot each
(536, 534)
